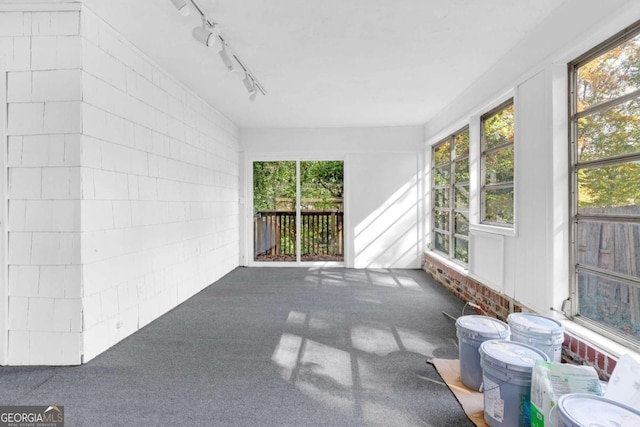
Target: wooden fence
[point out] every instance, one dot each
(610, 246)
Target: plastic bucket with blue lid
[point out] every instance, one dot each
(472, 331)
(506, 380)
(579, 409)
(538, 331)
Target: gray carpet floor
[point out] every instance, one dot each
(270, 347)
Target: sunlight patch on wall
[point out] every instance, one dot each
(388, 236)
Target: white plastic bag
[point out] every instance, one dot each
(624, 384)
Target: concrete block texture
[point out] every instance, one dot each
(44, 215)
(18, 313)
(16, 52)
(24, 280)
(55, 23)
(55, 348)
(62, 117)
(11, 24)
(56, 85)
(19, 86)
(114, 168)
(25, 118)
(55, 248)
(55, 53)
(42, 55)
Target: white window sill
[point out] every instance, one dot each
(494, 229)
(453, 265)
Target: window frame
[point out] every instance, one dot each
(451, 209)
(575, 165)
(483, 153)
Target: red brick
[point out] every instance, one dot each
(600, 361)
(574, 345)
(567, 340)
(582, 349)
(591, 354)
(611, 364)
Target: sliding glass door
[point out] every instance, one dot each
(298, 211)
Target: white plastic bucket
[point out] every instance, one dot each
(506, 378)
(578, 409)
(541, 332)
(472, 331)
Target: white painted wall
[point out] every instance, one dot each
(41, 51)
(123, 187)
(383, 206)
(384, 210)
(4, 306)
(527, 280)
(534, 265)
(159, 208)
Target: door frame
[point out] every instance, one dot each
(248, 214)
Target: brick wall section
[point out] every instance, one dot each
(469, 290)
(580, 352)
(160, 189)
(41, 51)
(493, 304)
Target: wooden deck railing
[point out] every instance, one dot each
(321, 235)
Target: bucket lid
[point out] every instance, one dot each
(535, 323)
(483, 325)
(512, 354)
(591, 410)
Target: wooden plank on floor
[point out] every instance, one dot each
(471, 401)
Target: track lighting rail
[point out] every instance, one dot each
(207, 34)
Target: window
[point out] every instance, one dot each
(605, 188)
(497, 142)
(451, 196)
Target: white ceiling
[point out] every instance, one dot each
(331, 63)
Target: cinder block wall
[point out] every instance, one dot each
(159, 189)
(42, 56)
(123, 187)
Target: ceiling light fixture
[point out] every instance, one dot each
(182, 7)
(205, 34)
(226, 58)
(208, 34)
(250, 84)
